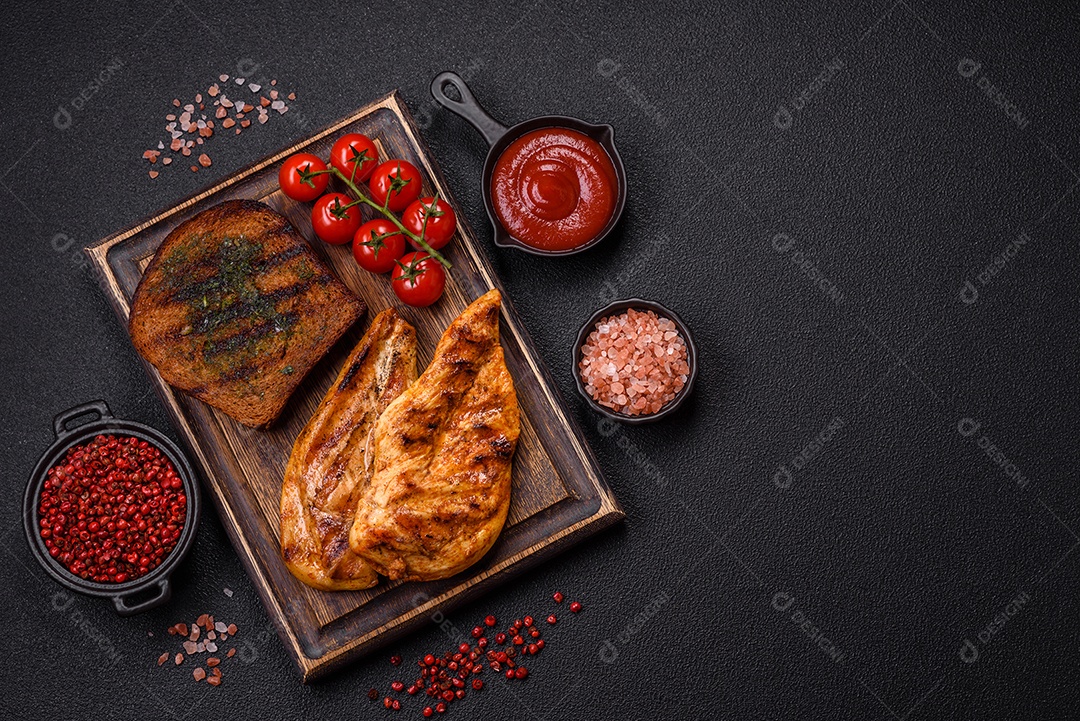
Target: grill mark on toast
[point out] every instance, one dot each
(241, 339)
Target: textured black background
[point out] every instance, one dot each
(898, 178)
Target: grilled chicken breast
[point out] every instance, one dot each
(440, 490)
(331, 461)
(235, 308)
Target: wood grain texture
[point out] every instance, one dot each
(558, 495)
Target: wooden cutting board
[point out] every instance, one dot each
(559, 496)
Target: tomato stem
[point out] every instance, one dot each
(362, 197)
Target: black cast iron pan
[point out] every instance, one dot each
(499, 137)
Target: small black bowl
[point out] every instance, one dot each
(616, 308)
(499, 137)
(153, 588)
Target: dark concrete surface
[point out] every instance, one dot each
(866, 212)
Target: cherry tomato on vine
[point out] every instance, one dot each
(398, 179)
(295, 181)
(332, 221)
(418, 279)
(441, 221)
(354, 152)
(377, 246)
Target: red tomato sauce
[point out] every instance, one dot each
(554, 188)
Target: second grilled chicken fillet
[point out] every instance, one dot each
(331, 461)
(440, 491)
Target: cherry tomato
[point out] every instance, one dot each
(354, 152)
(418, 279)
(441, 221)
(332, 221)
(291, 177)
(400, 180)
(377, 245)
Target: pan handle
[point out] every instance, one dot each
(60, 422)
(468, 108)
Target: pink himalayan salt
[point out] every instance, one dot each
(634, 363)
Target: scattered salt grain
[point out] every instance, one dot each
(195, 120)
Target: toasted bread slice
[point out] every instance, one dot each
(235, 308)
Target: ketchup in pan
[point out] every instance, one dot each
(554, 188)
(553, 185)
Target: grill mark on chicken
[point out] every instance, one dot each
(354, 368)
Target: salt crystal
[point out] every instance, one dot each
(634, 363)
